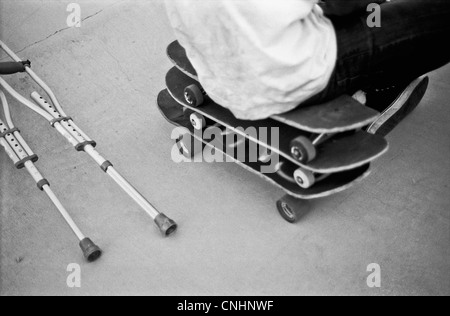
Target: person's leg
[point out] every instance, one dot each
(412, 41)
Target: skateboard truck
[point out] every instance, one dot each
(55, 115)
(304, 149)
(304, 178)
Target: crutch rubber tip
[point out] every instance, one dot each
(165, 225)
(90, 250)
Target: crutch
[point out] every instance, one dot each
(64, 124)
(23, 157)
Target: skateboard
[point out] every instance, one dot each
(345, 151)
(290, 206)
(317, 123)
(340, 115)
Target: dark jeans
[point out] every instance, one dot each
(413, 40)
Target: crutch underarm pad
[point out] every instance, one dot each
(165, 224)
(10, 68)
(42, 183)
(80, 146)
(9, 131)
(20, 164)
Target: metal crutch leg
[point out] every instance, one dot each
(23, 157)
(65, 126)
(84, 143)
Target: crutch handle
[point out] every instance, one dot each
(10, 68)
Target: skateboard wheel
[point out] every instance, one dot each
(189, 146)
(193, 95)
(303, 150)
(291, 209)
(198, 121)
(304, 178)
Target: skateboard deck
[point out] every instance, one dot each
(339, 115)
(345, 151)
(173, 112)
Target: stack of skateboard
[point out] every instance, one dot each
(319, 150)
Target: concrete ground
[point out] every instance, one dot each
(231, 240)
